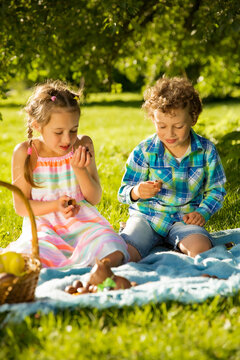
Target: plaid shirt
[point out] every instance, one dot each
(194, 184)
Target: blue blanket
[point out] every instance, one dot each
(163, 275)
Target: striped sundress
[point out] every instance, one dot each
(73, 242)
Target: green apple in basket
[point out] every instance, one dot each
(12, 263)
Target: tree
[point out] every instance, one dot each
(92, 39)
(197, 39)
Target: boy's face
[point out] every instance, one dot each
(173, 129)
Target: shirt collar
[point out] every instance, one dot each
(156, 146)
(195, 141)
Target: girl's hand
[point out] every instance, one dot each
(194, 218)
(81, 158)
(146, 189)
(66, 209)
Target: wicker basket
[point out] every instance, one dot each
(22, 288)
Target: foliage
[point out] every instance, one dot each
(197, 39)
(129, 41)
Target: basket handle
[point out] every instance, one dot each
(14, 188)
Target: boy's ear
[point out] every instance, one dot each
(194, 120)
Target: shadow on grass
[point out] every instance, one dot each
(229, 150)
(11, 105)
(211, 101)
(120, 103)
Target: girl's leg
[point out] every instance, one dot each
(116, 258)
(133, 253)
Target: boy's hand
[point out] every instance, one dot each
(194, 218)
(146, 189)
(81, 158)
(66, 209)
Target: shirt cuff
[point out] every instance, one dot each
(129, 199)
(204, 213)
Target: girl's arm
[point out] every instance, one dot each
(18, 179)
(84, 166)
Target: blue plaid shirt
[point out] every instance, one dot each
(194, 184)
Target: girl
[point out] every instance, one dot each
(57, 173)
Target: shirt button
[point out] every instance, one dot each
(172, 216)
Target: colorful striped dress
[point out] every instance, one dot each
(73, 242)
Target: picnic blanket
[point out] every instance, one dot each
(161, 276)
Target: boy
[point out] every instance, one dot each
(174, 179)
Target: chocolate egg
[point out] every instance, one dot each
(70, 289)
(72, 202)
(93, 288)
(82, 290)
(77, 284)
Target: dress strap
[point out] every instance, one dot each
(35, 149)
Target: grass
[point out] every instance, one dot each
(156, 331)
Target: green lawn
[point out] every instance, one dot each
(210, 330)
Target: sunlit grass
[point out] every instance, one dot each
(205, 331)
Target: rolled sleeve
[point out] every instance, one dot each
(136, 171)
(214, 188)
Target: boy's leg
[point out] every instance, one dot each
(189, 239)
(194, 244)
(139, 236)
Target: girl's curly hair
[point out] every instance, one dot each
(172, 93)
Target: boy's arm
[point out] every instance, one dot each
(214, 188)
(136, 171)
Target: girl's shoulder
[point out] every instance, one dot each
(20, 153)
(20, 150)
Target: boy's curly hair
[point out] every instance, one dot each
(172, 93)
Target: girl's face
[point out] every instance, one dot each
(60, 134)
(173, 129)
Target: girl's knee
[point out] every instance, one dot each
(133, 253)
(116, 258)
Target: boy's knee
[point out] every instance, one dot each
(137, 225)
(195, 244)
(139, 237)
